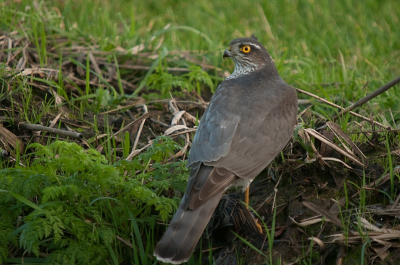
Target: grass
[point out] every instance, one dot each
(339, 50)
(313, 42)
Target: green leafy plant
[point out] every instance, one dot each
(164, 82)
(70, 203)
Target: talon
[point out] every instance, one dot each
(259, 226)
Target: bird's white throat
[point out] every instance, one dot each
(242, 69)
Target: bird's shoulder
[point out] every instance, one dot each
(239, 96)
(242, 102)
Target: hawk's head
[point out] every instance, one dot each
(248, 55)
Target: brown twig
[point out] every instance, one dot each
(379, 181)
(375, 131)
(396, 202)
(134, 151)
(369, 97)
(136, 105)
(95, 65)
(159, 122)
(141, 118)
(137, 151)
(124, 241)
(341, 108)
(11, 139)
(37, 127)
(54, 121)
(179, 133)
(178, 116)
(9, 42)
(328, 215)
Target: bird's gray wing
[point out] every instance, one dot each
(247, 124)
(261, 136)
(204, 183)
(216, 130)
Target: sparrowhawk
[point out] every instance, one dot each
(250, 119)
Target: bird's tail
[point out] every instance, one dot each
(185, 229)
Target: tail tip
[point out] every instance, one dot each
(168, 260)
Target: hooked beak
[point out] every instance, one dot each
(227, 52)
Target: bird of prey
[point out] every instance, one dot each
(248, 122)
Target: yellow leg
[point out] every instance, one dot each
(246, 197)
(247, 201)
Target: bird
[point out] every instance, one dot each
(249, 120)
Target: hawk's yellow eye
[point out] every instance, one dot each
(245, 49)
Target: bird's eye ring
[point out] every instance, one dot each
(245, 49)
